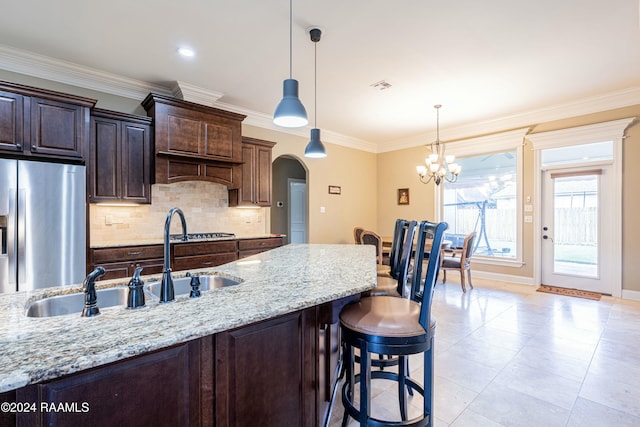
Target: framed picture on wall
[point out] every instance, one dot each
(403, 196)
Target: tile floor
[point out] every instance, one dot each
(506, 355)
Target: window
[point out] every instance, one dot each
(484, 199)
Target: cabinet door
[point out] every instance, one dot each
(265, 373)
(104, 160)
(156, 389)
(263, 176)
(11, 122)
(136, 163)
(57, 129)
(246, 193)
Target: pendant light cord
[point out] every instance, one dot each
(315, 84)
(290, 39)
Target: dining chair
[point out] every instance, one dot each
(398, 327)
(369, 237)
(357, 232)
(462, 263)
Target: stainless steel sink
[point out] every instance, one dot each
(182, 285)
(74, 303)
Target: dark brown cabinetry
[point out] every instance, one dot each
(187, 256)
(120, 158)
(248, 247)
(195, 142)
(265, 373)
(164, 388)
(40, 123)
(256, 174)
(277, 372)
(121, 261)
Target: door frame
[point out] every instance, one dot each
(607, 213)
(606, 131)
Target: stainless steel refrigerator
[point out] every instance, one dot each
(42, 224)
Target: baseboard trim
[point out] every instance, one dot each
(521, 280)
(632, 295)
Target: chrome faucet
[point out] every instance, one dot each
(90, 296)
(166, 287)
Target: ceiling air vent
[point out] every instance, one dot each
(381, 85)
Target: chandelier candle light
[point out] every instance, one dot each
(438, 166)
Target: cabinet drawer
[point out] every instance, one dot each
(204, 248)
(127, 253)
(259, 244)
(202, 261)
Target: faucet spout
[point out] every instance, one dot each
(90, 296)
(167, 293)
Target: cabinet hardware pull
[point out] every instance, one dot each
(134, 253)
(18, 145)
(207, 263)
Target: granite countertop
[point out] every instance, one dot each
(276, 282)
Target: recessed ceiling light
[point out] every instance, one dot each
(186, 52)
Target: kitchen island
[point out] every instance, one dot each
(207, 357)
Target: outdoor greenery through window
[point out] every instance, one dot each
(484, 200)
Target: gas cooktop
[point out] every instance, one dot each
(203, 236)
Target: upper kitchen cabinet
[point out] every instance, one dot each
(41, 123)
(195, 142)
(119, 158)
(256, 174)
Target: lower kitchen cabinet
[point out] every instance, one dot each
(163, 388)
(278, 372)
(265, 373)
(188, 256)
(121, 261)
(248, 247)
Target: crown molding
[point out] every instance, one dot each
(45, 67)
(41, 66)
(590, 105)
(265, 121)
(599, 132)
(193, 93)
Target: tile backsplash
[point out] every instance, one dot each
(205, 206)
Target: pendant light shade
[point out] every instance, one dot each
(315, 148)
(290, 112)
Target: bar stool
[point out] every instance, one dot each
(395, 283)
(399, 234)
(397, 327)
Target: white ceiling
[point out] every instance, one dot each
(483, 60)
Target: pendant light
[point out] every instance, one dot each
(290, 112)
(315, 147)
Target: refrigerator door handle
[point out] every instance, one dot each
(4, 219)
(22, 234)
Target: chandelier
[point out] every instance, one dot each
(438, 166)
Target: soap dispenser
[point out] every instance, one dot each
(136, 293)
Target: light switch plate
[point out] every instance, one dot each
(528, 218)
(528, 208)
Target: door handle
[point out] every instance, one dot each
(3, 234)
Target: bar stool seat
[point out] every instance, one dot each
(396, 327)
(387, 316)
